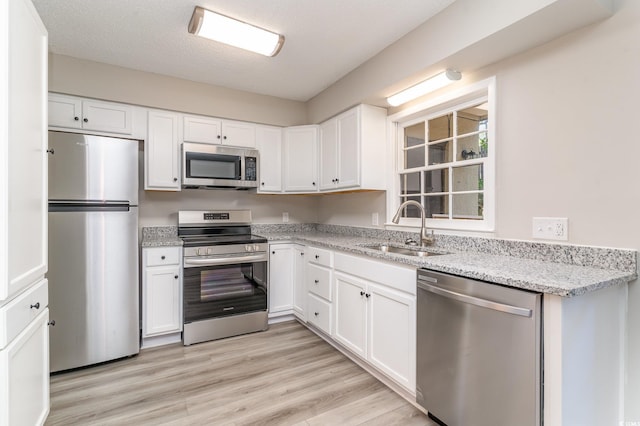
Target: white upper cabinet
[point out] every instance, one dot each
(269, 143)
(162, 152)
(216, 131)
(353, 150)
(301, 159)
(69, 112)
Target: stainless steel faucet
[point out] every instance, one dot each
(425, 239)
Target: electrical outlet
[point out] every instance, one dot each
(374, 219)
(285, 217)
(551, 228)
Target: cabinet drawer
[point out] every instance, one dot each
(319, 281)
(320, 256)
(319, 313)
(17, 314)
(162, 256)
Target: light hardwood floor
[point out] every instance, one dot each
(284, 376)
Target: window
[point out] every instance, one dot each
(446, 155)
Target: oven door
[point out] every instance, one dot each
(219, 290)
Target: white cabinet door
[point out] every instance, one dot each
(106, 117)
(300, 159)
(23, 146)
(392, 333)
(161, 153)
(329, 154)
(348, 156)
(280, 278)
(299, 283)
(24, 382)
(162, 307)
(65, 111)
(269, 143)
(351, 313)
(70, 112)
(202, 129)
(237, 133)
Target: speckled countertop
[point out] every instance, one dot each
(560, 269)
(561, 279)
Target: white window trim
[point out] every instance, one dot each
(485, 88)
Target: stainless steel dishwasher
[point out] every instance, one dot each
(478, 352)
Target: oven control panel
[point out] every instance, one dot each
(216, 216)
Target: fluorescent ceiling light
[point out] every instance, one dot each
(436, 82)
(214, 26)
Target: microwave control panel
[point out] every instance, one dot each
(250, 169)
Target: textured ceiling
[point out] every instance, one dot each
(325, 39)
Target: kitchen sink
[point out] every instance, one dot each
(414, 251)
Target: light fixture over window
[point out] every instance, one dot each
(214, 26)
(434, 83)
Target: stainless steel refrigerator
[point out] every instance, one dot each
(93, 249)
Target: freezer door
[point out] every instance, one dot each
(84, 167)
(93, 286)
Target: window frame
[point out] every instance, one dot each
(484, 90)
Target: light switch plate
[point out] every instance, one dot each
(285, 217)
(551, 228)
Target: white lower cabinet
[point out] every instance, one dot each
(286, 280)
(161, 295)
(24, 389)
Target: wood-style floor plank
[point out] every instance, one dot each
(284, 376)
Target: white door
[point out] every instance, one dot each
(300, 159)
(202, 129)
(162, 301)
(329, 154)
(107, 117)
(161, 152)
(25, 386)
(65, 111)
(269, 143)
(351, 313)
(299, 282)
(349, 149)
(280, 278)
(392, 334)
(236, 133)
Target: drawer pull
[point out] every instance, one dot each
(316, 313)
(52, 323)
(317, 256)
(163, 257)
(37, 306)
(302, 254)
(316, 281)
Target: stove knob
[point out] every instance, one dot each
(210, 250)
(198, 252)
(256, 248)
(248, 248)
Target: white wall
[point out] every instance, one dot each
(352, 209)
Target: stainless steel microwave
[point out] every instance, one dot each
(219, 166)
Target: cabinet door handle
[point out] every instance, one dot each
(51, 151)
(86, 120)
(218, 136)
(262, 184)
(367, 295)
(52, 323)
(301, 254)
(317, 256)
(316, 313)
(337, 180)
(273, 252)
(362, 293)
(224, 137)
(37, 306)
(163, 257)
(313, 183)
(175, 179)
(175, 276)
(76, 118)
(316, 281)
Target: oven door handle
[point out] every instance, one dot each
(225, 260)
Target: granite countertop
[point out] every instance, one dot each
(160, 236)
(549, 277)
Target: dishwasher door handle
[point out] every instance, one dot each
(509, 309)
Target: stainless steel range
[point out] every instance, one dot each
(225, 275)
